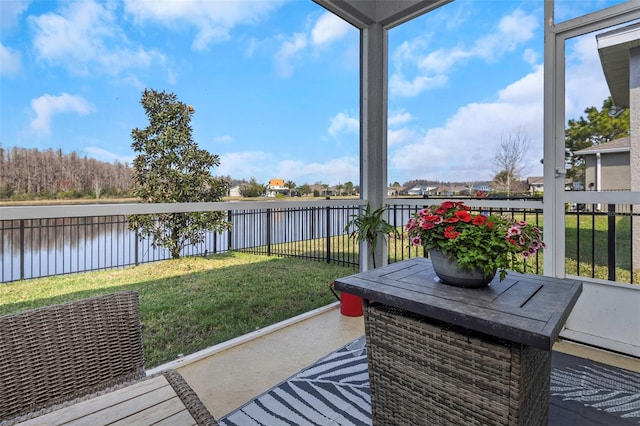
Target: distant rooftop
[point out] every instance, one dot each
(618, 145)
(613, 47)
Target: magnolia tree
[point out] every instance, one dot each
(170, 168)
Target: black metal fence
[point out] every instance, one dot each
(599, 242)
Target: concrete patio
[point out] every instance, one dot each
(230, 374)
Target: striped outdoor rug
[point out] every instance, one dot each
(335, 392)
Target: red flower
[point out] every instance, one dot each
(451, 220)
(448, 204)
(463, 215)
(479, 220)
(451, 233)
(427, 225)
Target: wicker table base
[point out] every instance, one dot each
(425, 372)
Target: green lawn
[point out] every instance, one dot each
(193, 303)
(587, 247)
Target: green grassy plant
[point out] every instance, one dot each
(192, 303)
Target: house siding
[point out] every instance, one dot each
(615, 172)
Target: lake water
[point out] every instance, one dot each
(43, 247)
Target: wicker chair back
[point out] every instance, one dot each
(58, 353)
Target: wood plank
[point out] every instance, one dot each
(70, 413)
(181, 418)
(170, 409)
(127, 408)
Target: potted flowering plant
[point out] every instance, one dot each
(478, 242)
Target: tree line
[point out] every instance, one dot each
(27, 174)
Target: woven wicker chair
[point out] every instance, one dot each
(58, 355)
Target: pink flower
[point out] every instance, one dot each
(514, 230)
(427, 225)
(416, 241)
(411, 224)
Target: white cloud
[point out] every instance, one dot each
(584, 70)
(223, 139)
(11, 11)
(513, 30)
(134, 82)
(430, 69)
(47, 106)
(107, 156)
(343, 123)
(401, 87)
(212, 20)
(399, 117)
(401, 136)
(516, 28)
(264, 166)
(463, 149)
(442, 60)
(530, 56)
(332, 172)
(84, 37)
(10, 61)
(246, 164)
(287, 53)
(328, 29)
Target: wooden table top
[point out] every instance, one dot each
(151, 401)
(524, 308)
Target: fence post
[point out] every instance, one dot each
(268, 232)
(135, 250)
(229, 232)
(611, 241)
(22, 249)
(328, 234)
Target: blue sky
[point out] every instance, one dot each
(275, 84)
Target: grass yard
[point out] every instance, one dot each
(587, 248)
(192, 303)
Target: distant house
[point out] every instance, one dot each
(607, 166)
(276, 186)
(322, 190)
(483, 187)
(234, 191)
(421, 190)
(535, 184)
(451, 190)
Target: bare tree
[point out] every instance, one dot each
(97, 187)
(510, 159)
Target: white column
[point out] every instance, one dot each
(554, 168)
(373, 129)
